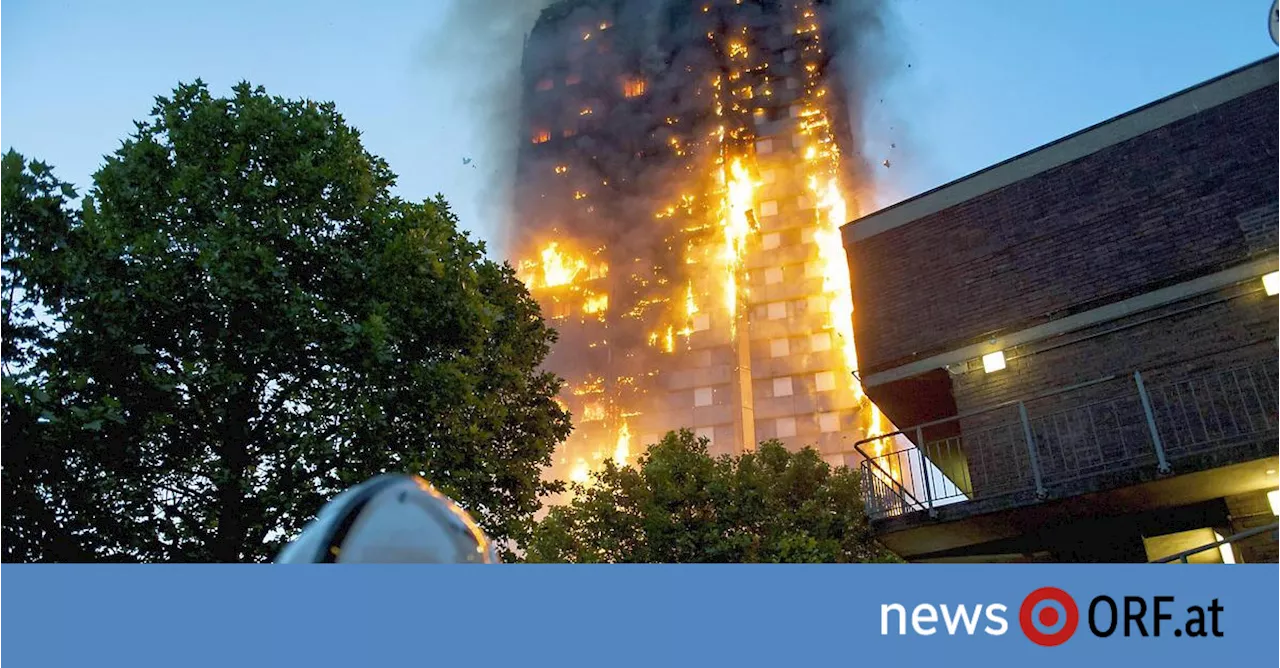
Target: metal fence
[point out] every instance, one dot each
(1109, 425)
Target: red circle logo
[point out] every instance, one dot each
(1048, 616)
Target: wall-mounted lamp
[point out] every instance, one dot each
(1228, 556)
(1271, 283)
(992, 362)
(1273, 498)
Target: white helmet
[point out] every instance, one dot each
(391, 519)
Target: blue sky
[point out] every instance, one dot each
(987, 80)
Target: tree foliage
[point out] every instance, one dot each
(239, 321)
(680, 505)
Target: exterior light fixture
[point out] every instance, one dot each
(992, 362)
(1273, 497)
(1271, 283)
(1228, 557)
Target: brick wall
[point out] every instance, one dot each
(1182, 200)
(1103, 425)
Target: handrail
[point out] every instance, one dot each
(902, 490)
(1248, 533)
(857, 446)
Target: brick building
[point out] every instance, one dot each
(1080, 343)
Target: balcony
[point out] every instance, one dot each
(1076, 443)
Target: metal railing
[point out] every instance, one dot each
(1182, 557)
(1031, 446)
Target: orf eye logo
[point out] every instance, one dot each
(1048, 616)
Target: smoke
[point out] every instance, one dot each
(474, 57)
(869, 59)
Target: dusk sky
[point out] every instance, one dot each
(987, 79)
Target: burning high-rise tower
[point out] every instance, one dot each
(684, 171)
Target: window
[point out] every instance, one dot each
(798, 140)
(825, 381)
(813, 270)
(782, 386)
(545, 84)
(816, 304)
(758, 116)
(789, 56)
(803, 202)
(806, 234)
(541, 136)
(768, 176)
(768, 208)
(708, 433)
(828, 422)
(764, 146)
(573, 79)
(633, 87)
(779, 348)
(771, 240)
(820, 341)
(794, 110)
(702, 396)
(772, 275)
(701, 322)
(785, 427)
(793, 83)
(569, 132)
(777, 310)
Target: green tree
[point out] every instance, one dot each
(239, 321)
(680, 505)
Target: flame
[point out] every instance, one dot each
(596, 304)
(581, 472)
(623, 449)
(739, 200)
(557, 268)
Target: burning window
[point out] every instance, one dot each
(633, 87)
(578, 194)
(592, 412)
(560, 169)
(605, 25)
(545, 84)
(782, 386)
(541, 136)
(585, 111)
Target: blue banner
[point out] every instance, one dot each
(988, 615)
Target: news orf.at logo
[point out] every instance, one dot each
(1048, 616)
